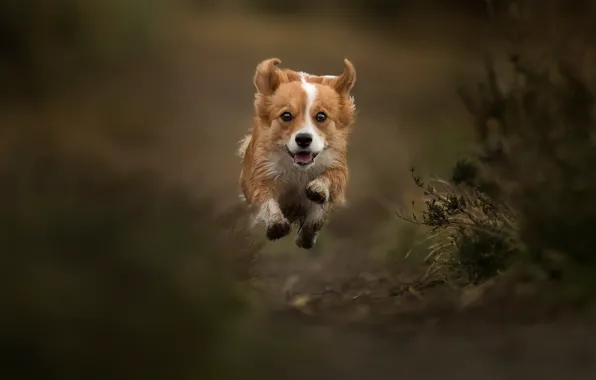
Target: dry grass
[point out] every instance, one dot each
(473, 237)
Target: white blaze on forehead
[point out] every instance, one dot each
(318, 143)
(311, 94)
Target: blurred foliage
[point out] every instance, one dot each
(375, 9)
(106, 276)
(47, 44)
(272, 6)
(105, 273)
(115, 275)
(543, 148)
(530, 185)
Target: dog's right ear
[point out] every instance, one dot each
(267, 77)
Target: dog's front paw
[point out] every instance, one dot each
(278, 229)
(317, 191)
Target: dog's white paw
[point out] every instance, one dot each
(317, 191)
(271, 217)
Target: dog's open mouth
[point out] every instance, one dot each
(303, 158)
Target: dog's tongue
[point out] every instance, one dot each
(303, 157)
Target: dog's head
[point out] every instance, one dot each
(305, 115)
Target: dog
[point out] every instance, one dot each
(294, 160)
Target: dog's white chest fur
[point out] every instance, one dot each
(281, 168)
(291, 182)
(289, 177)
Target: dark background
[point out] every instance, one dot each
(123, 248)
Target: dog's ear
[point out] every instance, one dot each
(344, 83)
(267, 76)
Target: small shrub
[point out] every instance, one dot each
(475, 237)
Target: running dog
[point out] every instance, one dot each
(294, 160)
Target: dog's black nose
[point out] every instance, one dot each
(303, 139)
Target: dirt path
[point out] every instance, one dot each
(418, 351)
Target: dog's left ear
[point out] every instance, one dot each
(344, 83)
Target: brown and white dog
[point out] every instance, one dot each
(294, 161)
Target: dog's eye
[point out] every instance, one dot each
(321, 117)
(286, 116)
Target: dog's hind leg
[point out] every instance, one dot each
(311, 225)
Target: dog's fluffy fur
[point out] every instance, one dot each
(294, 163)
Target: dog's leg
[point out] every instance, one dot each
(328, 187)
(317, 190)
(270, 216)
(267, 212)
(311, 225)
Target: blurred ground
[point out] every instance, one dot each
(465, 352)
(195, 95)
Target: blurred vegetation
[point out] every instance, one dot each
(106, 275)
(527, 192)
(544, 152)
(114, 274)
(48, 45)
(374, 9)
